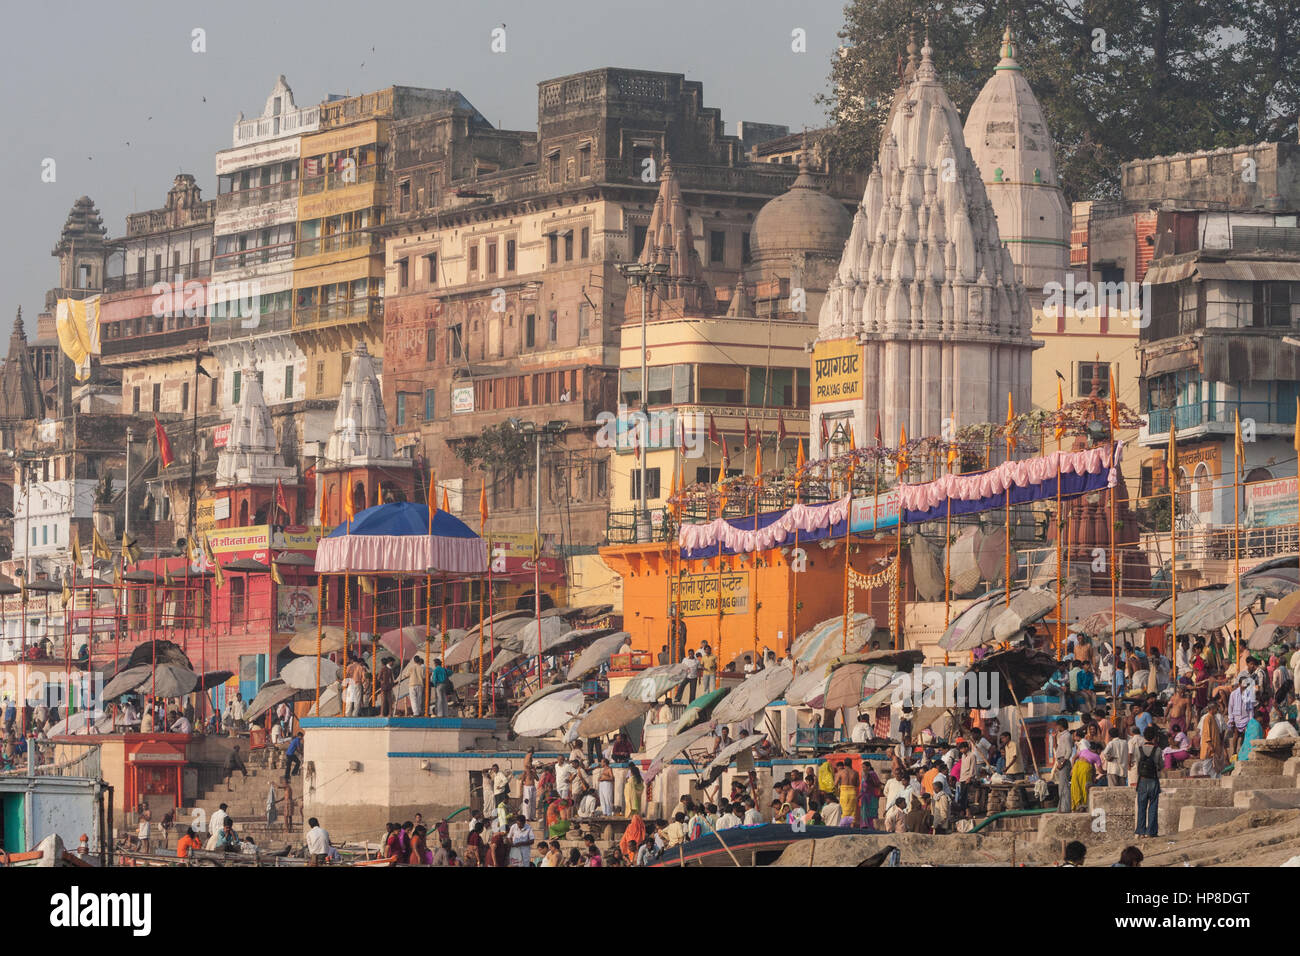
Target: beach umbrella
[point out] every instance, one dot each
(493, 623)
(300, 673)
(1027, 607)
(466, 649)
(525, 639)
(753, 694)
(653, 682)
(543, 714)
(968, 629)
(82, 722)
(159, 652)
(807, 689)
(1286, 612)
(270, 694)
(331, 702)
(611, 714)
(1128, 618)
(577, 637)
(730, 752)
(1263, 635)
(304, 640)
(844, 687)
(394, 538)
(675, 745)
(169, 680)
(126, 680)
(462, 679)
(990, 555)
(406, 642)
(503, 660)
(826, 639)
(1209, 616)
(596, 654)
(699, 709)
(214, 679)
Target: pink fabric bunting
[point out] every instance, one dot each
(400, 554)
(1022, 474)
(800, 517)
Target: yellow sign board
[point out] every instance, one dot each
(698, 595)
(836, 371)
(205, 515)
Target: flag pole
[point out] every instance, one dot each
(1236, 531)
(848, 525)
(1171, 466)
(1008, 509)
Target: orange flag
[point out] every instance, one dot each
(902, 450)
(324, 509)
(1114, 403)
(482, 504)
(446, 502)
(349, 509)
(672, 495)
(1060, 404)
(1011, 415)
(758, 464)
(165, 455)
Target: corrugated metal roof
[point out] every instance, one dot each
(1163, 271)
(1250, 270)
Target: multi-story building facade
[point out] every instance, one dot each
(504, 298)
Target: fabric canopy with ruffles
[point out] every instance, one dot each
(738, 535)
(395, 539)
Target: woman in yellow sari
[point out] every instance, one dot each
(1212, 747)
(633, 787)
(1081, 778)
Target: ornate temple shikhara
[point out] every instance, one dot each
(926, 293)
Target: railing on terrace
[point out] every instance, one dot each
(83, 761)
(145, 278)
(339, 242)
(169, 338)
(364, 309)
(342, 178)
(259, 128)
(222, 330)
(280, 252)
(1219, 412)
(255, 195)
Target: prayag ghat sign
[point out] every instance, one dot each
(836, 371)
(698, 594)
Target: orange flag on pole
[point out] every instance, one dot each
(164, 445)
(482, 504)
(349, 509)
(902, 450)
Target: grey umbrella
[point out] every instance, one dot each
(125, 681)
(596, 654)
(675, 745)
(300, 673)
(729, 752)
(611, 714)
(168, 680)
(753, 694)
(270, 694)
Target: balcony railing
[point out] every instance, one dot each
(1216, 412)
(305, 120)
(145, 278)
(351, 310)
(280, 252)
(169, 338)
(256, 195)
(223, 330)
(339, 242)
(339, 179)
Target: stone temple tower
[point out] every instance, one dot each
(1012, 146)
(926, 295)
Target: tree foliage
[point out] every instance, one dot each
(498, 448)
(1118, 79)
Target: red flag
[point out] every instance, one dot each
(713, 430)
(826, 437)
(681, 432)
(746, 433)
(780, 429)
(758, 435)
(281, 501)
(164, 446)
(878, 438)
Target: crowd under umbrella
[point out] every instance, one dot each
(753, 694)
(611, 714)
(403, 539)
(596, 655)
(548, 709)
(677, 745)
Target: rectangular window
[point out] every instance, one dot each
(510, 255)
(553, 327)
(430, 403)
(213, 385)
(404, 196)
(722, 385)
(584, 250)
(1272, 304)
(553, 247)
(651, 483)
(236, 385)
(553, 167)
(185, 396)
(1089, 370)
(492, 258)
(568, 246)
(45, 534)
(717, 246)
(454, 341)
(638, 239)
(320, 377)
(584, 160)
(584, 320)
(288, 381)
(403, 273)
(135, 399)
(473, 260)
(431, 345)
(157, 396)
(744, 248)
(401, 408)
(530, 331)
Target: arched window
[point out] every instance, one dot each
(359, 497)
(1204, 490)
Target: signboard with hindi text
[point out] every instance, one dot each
(698, 594)
(1271, 503)
(861, 517)
(836, 371)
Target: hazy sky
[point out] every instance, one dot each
(114, 94)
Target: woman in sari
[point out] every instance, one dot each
(1081, 778)
(474, 843)
(869, 799)
(557, 819)
(633, 837)
(633, 787)
(1179, 749)
(1212, 748)
(1254, 731)
(499, 851)
(420, 853)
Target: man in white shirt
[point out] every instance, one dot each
(727, 818)
(217, 820)
(318, 842)
(1115, 759)
(520, 837)
(563, 775)
(752, 817)
(861, 730)
(181, 726)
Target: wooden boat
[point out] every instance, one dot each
(746, 846)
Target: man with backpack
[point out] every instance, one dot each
(1148, 784)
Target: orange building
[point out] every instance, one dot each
(764, 602)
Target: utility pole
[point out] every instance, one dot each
(126, 521)
(645, 276)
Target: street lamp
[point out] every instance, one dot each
(546, 432)
(645, 275)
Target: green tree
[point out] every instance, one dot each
(1117, 79)
(498, 448)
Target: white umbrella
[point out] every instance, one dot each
(1027, 607)
(806, 688)
(653, 682)
(728, 753)
(300, 673)
(675, 745)
(753, 694)
(545, 714)
(524, 640)
(595, 655)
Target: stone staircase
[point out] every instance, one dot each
(1268, 780)
(245, 799)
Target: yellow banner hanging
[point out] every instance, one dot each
(77, 323)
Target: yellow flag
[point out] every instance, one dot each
(1171, 456)
(77, 324)
(758, 464)
(902, 450)
(66, 596)
(130, 549)
(218, 576)
(367, 583)
(1114, 402)
(276, 577)
(76, 549)
(349, 509)
(952, 449)
(1011, 415)
(853, 444)
(98, 548)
